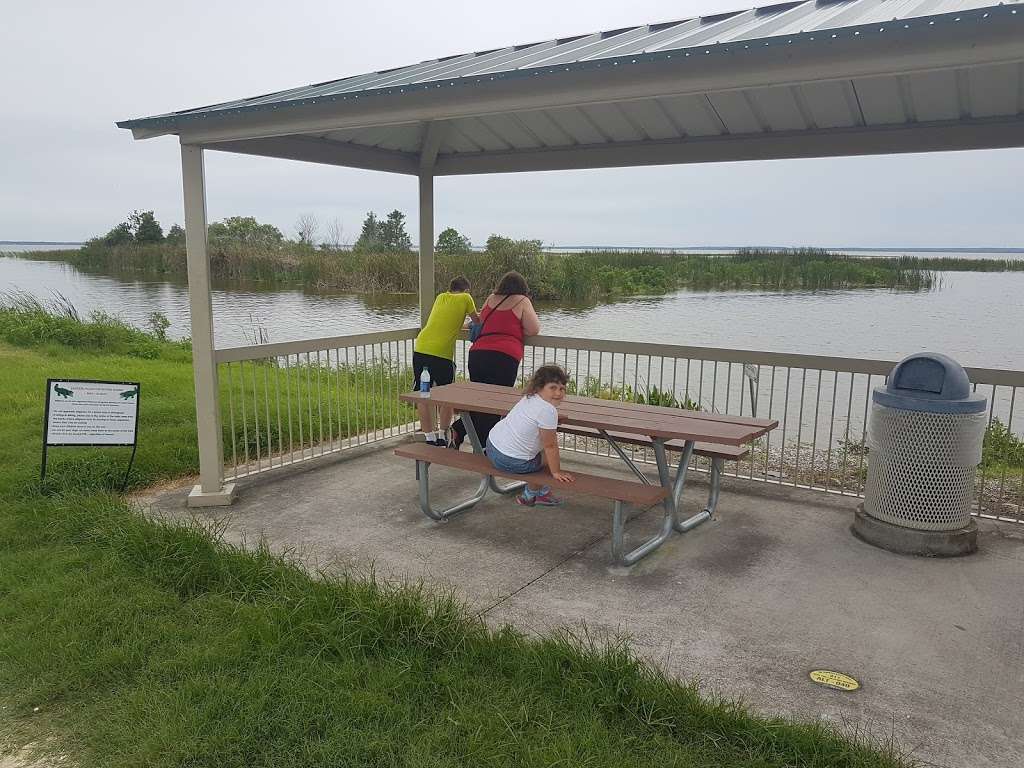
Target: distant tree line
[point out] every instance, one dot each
(377, 235)
(140, 227)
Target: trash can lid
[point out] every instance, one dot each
(932, 383)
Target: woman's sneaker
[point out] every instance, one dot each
(543, 500)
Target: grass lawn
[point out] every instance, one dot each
(144, 643)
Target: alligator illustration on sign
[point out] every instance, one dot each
(129, 394)
(61, 392)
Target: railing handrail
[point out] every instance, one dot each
(997, 376)
(283, 348)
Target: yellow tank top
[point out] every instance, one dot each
(446, 318)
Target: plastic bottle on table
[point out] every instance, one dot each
(425, 383)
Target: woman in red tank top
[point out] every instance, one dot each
(506, 317)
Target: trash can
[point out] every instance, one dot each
(925, 435)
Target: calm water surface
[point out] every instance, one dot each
(977, 318)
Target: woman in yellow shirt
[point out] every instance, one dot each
(434, 351)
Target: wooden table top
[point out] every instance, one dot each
(612, 415)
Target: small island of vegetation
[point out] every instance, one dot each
(382, 261)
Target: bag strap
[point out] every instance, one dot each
(493, 310)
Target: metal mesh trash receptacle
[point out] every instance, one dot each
(925, 436)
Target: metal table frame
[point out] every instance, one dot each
(671, 521)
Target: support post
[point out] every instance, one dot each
(426, 243)
(211, 490)
(430, 144)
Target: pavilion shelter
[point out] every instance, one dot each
(811, 78)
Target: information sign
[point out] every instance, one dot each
(83, 412)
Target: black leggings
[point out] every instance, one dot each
(488, 367)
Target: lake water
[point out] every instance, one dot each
(975, 317)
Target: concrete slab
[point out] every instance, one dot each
(747, 604)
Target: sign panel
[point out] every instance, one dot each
(80, 412)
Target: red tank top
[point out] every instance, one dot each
(502, 332)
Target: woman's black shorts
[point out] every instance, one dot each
(442, 370)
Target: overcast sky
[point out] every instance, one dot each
(69, 70)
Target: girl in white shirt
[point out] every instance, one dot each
(525, 441)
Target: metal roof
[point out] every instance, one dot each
(759, 73)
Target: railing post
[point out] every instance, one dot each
(211, 490)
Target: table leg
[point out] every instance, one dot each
(474, 440)
(618, 535)
(423, 475)
(619, 518)
(677, 490)
(622, 455)
(716, 486)
(684, 464)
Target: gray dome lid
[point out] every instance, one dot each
(929, 382)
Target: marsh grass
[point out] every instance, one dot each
(576, 277)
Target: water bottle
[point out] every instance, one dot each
(425, 383)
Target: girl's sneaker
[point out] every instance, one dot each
(543, 500)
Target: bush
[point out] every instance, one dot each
(175, 235)
(1001, 447)
(158, 325)
(244, 231)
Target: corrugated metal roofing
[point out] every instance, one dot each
(801, 22)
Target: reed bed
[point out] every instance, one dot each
(576, 277)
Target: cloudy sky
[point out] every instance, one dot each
(68, 70)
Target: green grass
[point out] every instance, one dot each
(576, 277)
(308, 403)
(126, 641)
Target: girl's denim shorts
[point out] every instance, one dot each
(515, 466)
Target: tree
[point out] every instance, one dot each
(369, 237)
(451, 243)
(245, 230)
(393, 236)
(175, 235)
(145, 228)
(306, 227)
(507, 248)
(141, 227)
(335, 233)
(119, 235)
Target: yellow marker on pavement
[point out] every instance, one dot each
(836, 680)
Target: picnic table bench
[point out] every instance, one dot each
(718, 436)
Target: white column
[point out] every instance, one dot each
(211, 490)
(426, 243)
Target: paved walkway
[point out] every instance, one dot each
(747, 604)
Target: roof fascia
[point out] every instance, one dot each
(314, 150)
(917, 137)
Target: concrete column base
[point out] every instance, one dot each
(908, 541)
(222, 498)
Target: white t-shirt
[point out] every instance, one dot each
(518, 434)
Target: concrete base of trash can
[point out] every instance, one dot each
(908, 541)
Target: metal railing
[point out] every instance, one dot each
(289, 402)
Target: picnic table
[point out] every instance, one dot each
(618, 423)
